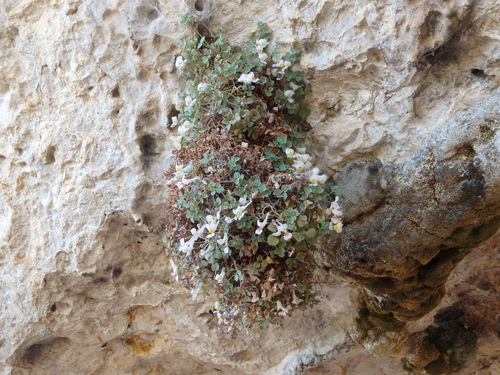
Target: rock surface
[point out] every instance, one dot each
(404, 108)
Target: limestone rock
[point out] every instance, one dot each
(87, 89)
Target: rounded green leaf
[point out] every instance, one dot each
(273, 240)
(311, 233)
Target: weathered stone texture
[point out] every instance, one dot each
(403, 90)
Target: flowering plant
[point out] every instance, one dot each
(247, 200)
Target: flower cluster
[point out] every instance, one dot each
(248, 199)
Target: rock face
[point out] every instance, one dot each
(404, 115)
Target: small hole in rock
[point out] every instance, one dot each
(72, 11)
(147, 145)
(203, 30)
(152, 15)
(49, 155)
(117, 272)
(53, 308)
(198, 5)
(100, 280)
(115, 93)
(479, 73)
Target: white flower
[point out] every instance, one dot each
(290, 152)
(189, 101)
(223, 240)
(243, 200)
(303, 157)
(179, 62)
(281, 228)
(185, 181)
(294, 88)
(186, 247)
(263, 57)
(261, 44)
(334, 208)
(202, 87)
(288, 93)
(212, 224)
(336, 224)
(197, 232)
(240, 211)
(174, 268)
(282, 64)
(181, 170)
(174, 122)
(185, 127)
(220, 277)
(248, 78)
(261, 225)
(301, 167)
(316, 178)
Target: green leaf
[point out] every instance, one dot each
(202, 40)
(298, 236)
(311, 233)
(302, 221)
(272, 227)
(273, 240)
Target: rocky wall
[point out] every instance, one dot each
(404, 115)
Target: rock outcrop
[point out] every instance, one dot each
(404, 116)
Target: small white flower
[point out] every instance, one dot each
(243, 200)
(202, 87)
(294, 88)
(316, 178)
(174, 122)
(189, 101)
(336, 225)
(281, 228)
(185, 127)
(263, 57)
(174, 268)
(222, 241)
(334, 208)
(220, 277)
(239, 212)
(261, 225)
(179, 62)
(303, 157)
(290, 152)
(288, 93)
(248, 78)
(186, 247)
(282, 64)
(261, 44)
(212, 224)
(196, 233)
(302, 167)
